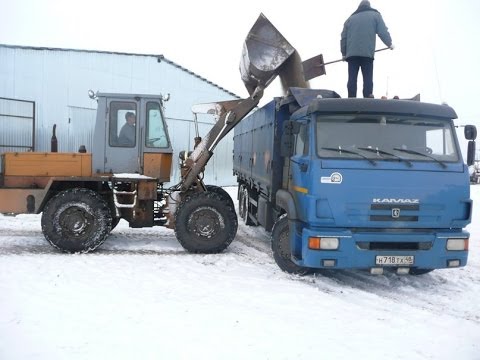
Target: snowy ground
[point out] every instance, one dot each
(141, 296)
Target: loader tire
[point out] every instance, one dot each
(115, 221)
(205, 223)
(281, 248)
(220, 191)
(76, 220)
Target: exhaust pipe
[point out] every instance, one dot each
(53, 141)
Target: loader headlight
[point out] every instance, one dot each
(457, 244)
(323, 243)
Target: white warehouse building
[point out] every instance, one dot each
(41, 87)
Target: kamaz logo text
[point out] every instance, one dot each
(396, 201)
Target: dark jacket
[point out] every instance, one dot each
(127, 135)
(360, 30)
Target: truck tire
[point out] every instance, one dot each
(415, 271)
(243, 202)
(281, 248)
(242, 205)
(76, 220)
(205, 223)
(220, 191)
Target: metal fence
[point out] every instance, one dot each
(17, 125)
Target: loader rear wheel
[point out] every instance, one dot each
(205, 223)
(76, 220)
(281, 248)
(220, 191)
(115, 221)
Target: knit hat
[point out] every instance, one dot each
(364, 3)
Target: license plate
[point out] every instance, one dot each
(390, 260)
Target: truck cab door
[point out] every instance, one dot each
(300, 169)
(122, 138)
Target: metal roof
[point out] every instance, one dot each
(159, 58)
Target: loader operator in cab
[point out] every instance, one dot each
(127, 133)
(357, 45)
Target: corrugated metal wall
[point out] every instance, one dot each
(17, 120)
(58, 81)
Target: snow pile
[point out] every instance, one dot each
(140, 295)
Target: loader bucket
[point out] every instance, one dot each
(264, 51)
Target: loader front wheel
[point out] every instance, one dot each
(281, 248)
(222, 192)
(205, 223)
(76, 220)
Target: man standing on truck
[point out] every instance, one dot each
(357, 45)
(127, 133)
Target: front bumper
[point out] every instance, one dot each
(359, 249)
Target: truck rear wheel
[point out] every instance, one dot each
(281, 248)
(243, 201)
(205, 223)
(76, 220)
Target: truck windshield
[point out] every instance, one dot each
(386, 137)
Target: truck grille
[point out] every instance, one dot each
(396, 212)
(383, 245)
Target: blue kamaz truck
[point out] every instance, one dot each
(355, 183)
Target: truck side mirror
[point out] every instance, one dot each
(470, 132)
(290, 128)
(471, 153)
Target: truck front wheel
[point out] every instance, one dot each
(281, 248)
(415, 271)
(205, 223)
(76, 220)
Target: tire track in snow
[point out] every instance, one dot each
(434, 292)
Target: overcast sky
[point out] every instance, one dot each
(437, 42)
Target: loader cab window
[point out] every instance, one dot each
(123, 119)
(156, 134)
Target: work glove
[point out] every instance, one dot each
(392, 47)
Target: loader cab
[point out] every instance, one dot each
(131, 136)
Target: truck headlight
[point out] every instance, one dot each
(323, 243)
(457, 244)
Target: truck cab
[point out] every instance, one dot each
(382, 181)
